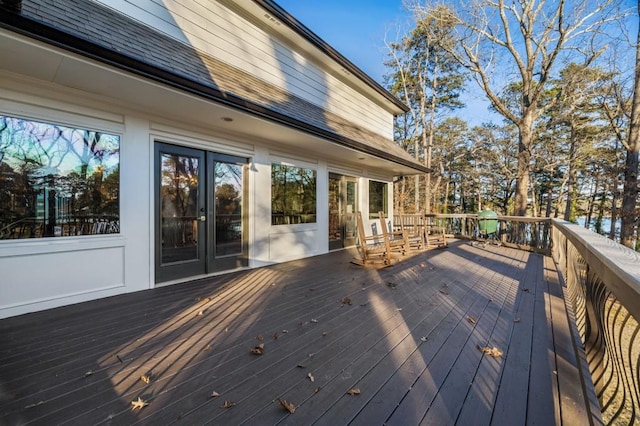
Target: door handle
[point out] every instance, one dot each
(203, 218)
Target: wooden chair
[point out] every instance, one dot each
(413, 227)
(374, 249)
(435, 235)
(398, 241)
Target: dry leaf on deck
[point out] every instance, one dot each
(146, 378)
(258, 349)
(493, 352)
(310, 376)
(472, 319)
(312, 354)
(228, 404)
(259, 337)
(445, 292)
(285, 331)
(424, 339)
(201, 313)
(214, 394)
(274, 336)
(354, 391)
(88, 373)
(287, 406)
(346, 301)
(138, 404)
(324, 333)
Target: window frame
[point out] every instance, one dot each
(292, 213)
(373, 213)
(69, 120)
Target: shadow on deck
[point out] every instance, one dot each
(409, 337)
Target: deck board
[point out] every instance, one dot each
(408, 339)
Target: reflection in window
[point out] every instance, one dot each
(57, 180)
(228, 207)
(293, 195)
(377, 199)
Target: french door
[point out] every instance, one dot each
(200, 211)
(342, 211)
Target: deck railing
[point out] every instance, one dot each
(602, 290)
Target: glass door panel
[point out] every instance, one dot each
(180, 212)
(227, 232)
(349, 218)
(335, 234)
(343, 205)
(228, 209)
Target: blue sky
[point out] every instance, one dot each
(355, 28)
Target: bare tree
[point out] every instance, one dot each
(523, 42)
(630, 194)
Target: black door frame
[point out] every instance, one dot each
(207, 261)
(344, 241)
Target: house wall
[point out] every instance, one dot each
(253, 45)
(41, 273)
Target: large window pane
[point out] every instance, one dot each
(293, 195)
(377, 199)
(57, 181)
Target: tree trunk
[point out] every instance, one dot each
(630, 194)
(524, 160)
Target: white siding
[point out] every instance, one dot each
(215, 29)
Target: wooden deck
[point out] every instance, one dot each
(409, 337)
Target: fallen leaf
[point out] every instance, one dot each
(138, 404)
(424, 339)
(259, 337)
(316, 390)
(445, 292)
(287, 406)
(207, 299)
(354, 391)
(228, 404)
(346, 301)
(310, 376)
(285, 331)
(200, 313)
(214, 394)
(312, 354)
(258, 349)
(491, 351)
(207, 348)
(324, 333)
(88, 373)
(146, 378)
(472, 319)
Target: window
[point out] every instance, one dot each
(57, 181)
(293, 195)
(377, 199)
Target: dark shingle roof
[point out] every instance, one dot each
(104, 34)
